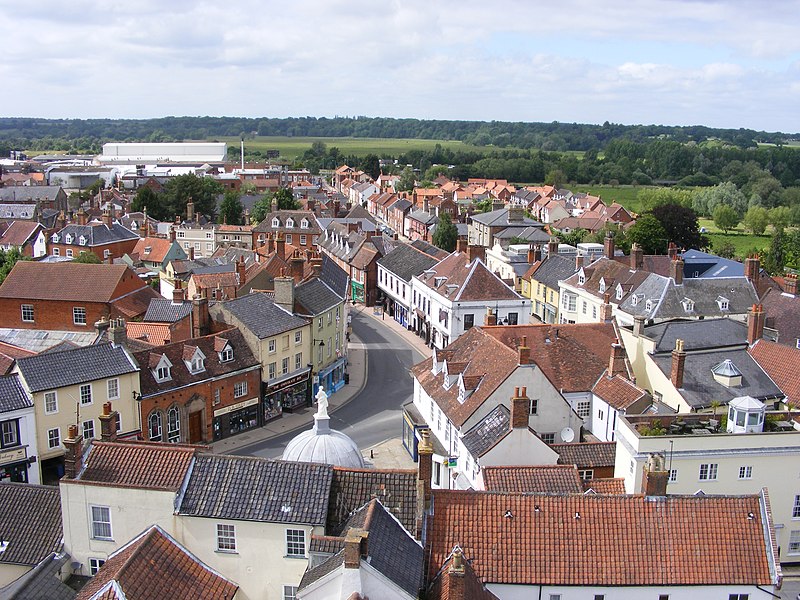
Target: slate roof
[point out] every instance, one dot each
(472, 280)
(313, 297)
(29, 539)
(162, 310)
(259, 314)
(499, 218)
(488, 431)
(257, 489)
(352, 488)
(405, 261)
(154, 566)
(545, 479)
(43, 582)
(53, 370)
(521, 549)
(144, 465)
(334, 276)
(12, 394)
(96, 234)
(618, 392)
(587, 455)
(696, 334)
(64, 281)
(283, 216)
(533, 234)
(24, 193)
(699, 386)
(710, 265)
(782, 364)
(551, 270)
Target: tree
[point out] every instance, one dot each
(681, 226)
(407, 180)
(725, 217)
(756, 219)
(706, 200)
(573, 238)
(650, 234)
(654, 197)
(8, 260)
(780, 216)
(231, 208)
(775, 257)
(146, 198)
(446, 234)
(202, 191)
(725, 250)
(285, 200)
(87, 258)
(371, 165)
(261, 208)
(556, 178)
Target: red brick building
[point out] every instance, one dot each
(69, 296)
(106, 239)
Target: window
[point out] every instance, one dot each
(747, 473)
(94, 565)
(271, 346)
(154, 426)
(209, 246)
(796, 508)
(56, 252)
(86, 393)
(209, 235)
(113, 389)
(548, 438)
(239, 389)
(295, 542)
(594, 312)
(271, 370)
(298, 360)
(88, 429)
(106, 253)
(163, 373)
(226, 538)
(289, 592)
(569, 302)
(197, 364)
(298, 337)
(794, 542)
(226, 355)
(50, 403)
(173, 425)
(180, 234)
(9, 433)
(599, 597)
(288, 238)
(584, 409)
(581, 278)
(738, 596)
(302, 240)
(197, 245)
(27, 313)
(534, 406)
(586, 474)
(79, 315)
(673, 475)
(583, 306)
(53, 438)
(663, 597)
(513, 318)
(101, 522)
(217, 396)
(69, 253)
(708, 472)
(285, 366)
(555, 596)
(319, 323)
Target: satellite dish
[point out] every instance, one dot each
(567, 434)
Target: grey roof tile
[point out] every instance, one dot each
(260, 315)
(488, 431)
(162, 310)
(29, 539)
(696, 334)
(79, 365)
(315, 297)
(97, 233)
(12, 395)
(406, 261)
(43, 582)
(554, 269)
(257, 489)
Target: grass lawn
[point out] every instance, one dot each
(293, 147)
(742, 240)
(626, 195)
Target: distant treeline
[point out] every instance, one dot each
(88, 134)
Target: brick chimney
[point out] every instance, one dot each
(520, 408)
(552, 247)
(676, 270)
(455, 575)
(101, 326)
(678, 364)
(516, 213)
(579, 262)
(490, 318)
(316, 264)
(461, 245)
(280, 246)
(270, 242)
(606, 310)
(637, 257)
(426, 205)
(755, 323)
(424, 475)
(475, 251)
(73, 455)
(790, 284)
(171, 233)
(190, 210)
(296, 264)
(524, 351)
(108, 423)
(672, 251)
(200, 317)
(534, 253)
(608, 246)
(752, 270)
(108, 218)
(191, 252)
(655, 476)
(110, 258)
(81, 216)
(118, 332)
(284, 292)
(355, 547)
(616, 362)
(336, 207)
(177, 292)
(241, 271)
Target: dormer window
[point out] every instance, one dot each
(194, 359)
(289, 222)
(55, 238)
(602, 286)
(648, 306)
(723, 303)
(162, 371)
(634, 300)
(620, 292)
(581, 277)
(82, 240)
(226, 355)
(276, 222)
(68, 239)
(688, 305)
(304, 224)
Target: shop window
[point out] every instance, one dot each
(53, 438)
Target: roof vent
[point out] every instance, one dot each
(509, 515)
(577, 515)
(3, 545)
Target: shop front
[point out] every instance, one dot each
(400, 314)
(332, 377)
(235, 418)
(357, 293)
(288, 393)
(14, 465)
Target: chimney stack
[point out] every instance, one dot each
(490, 318)
(552, 247)
(336, 207)
(461, 245)
(608, 246)
(108, 423)
(579, 262)
(177, 292)
(676, 270)
(638, 325)
(190, 210)
(118, 332)
(790, 284)
(296, 264)
(534, 253)
(655, 476)
(284, 292)
(520, 408)
(81, 216)
(606, 310)
(672, 251)
(191, 252)
(637, 257)
(474, 251)
(241, 271)
(424, 475)
(524, 352)
(108, 218)
(171, 233)
(456, 586)
(616, 362)
(280, 246)
(200, 317)
(73, 456)
(678, 364)
(755, 323)
(355, 547)
(101, 326)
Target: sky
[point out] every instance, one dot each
(724, 63)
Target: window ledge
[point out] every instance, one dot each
(296, 556)
(218, 551)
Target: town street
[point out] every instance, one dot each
(375, 414)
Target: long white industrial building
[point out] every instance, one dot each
(150, 153)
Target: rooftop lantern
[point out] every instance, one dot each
(745, 415)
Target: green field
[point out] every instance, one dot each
(744, 241)
(291, 148)
(622, 194)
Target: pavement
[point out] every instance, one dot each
(387, 454)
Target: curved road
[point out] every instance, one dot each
(375, 414)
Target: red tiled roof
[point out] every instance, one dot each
(543, 479)
(617, 391)
(64, 281)
(157, 334)
(136, 304)
(473, 279)
(8, 354)
(137, 464)
(19, 232)
(473, 587)
(155, 566)
(782, 364)
(610, 485)
(152, 249)
(602, 540)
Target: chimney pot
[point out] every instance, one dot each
(655, 476)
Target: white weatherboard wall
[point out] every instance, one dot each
(773, 457)
(688, 592)
(259, 566)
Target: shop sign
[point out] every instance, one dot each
(289, 382)
(12, 456)
(233, 407)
